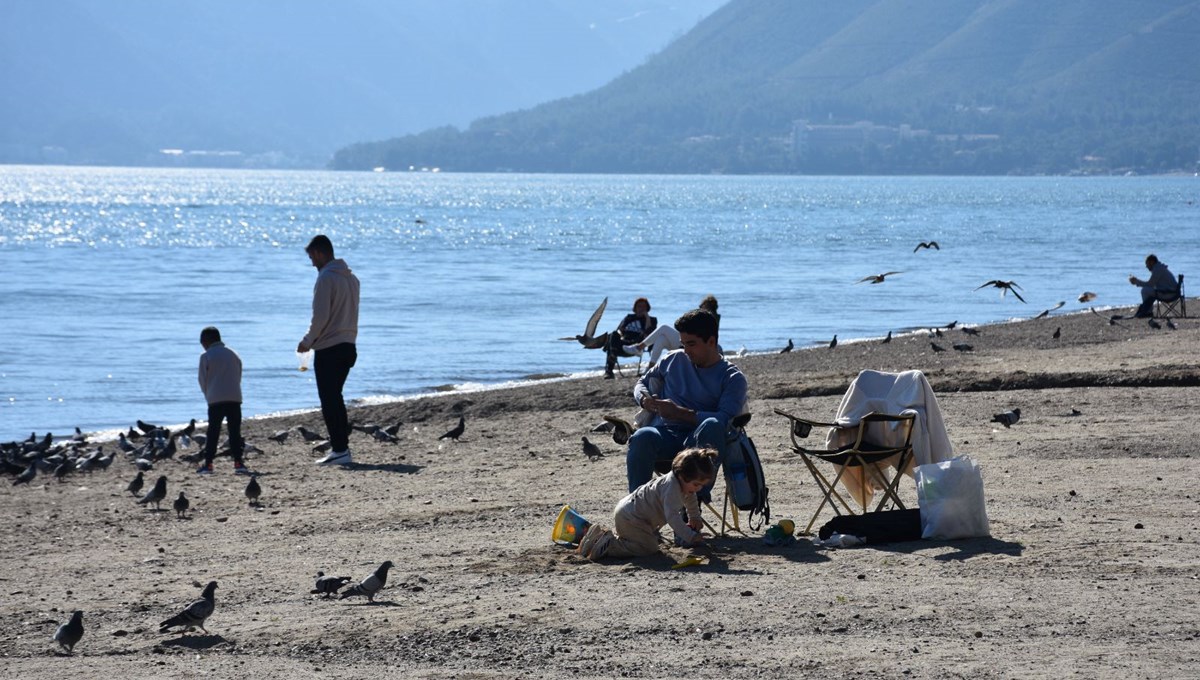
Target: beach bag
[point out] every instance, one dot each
(885, 526)
(951, 497)
(744, 479)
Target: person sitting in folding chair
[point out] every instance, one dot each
(632, 330)
(693, 395)
(1160, 286)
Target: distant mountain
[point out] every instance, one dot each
(287, 82)
(867, 86)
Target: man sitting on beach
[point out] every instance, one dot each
(1161, 285)
(693, 394)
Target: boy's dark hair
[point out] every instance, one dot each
(709, 304)
(321, 244)
(210, 334)
(699, 323)
(695, 465)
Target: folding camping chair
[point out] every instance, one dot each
(1171, 304)
(860, 465)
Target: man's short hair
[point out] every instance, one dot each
(321, 244)
(698, 322)
(1151, 260)
(210, 334)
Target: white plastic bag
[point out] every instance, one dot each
(951, 497)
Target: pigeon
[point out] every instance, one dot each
(369, 428)
(927, 244)
(123, 443)
(280, 436)
(394, 430)
(1114, 320)
(26, 476)
(322, 447)
(133, 435)
(457, 431)
(876, 278)
(588, 339)
(79, 436)
(253, 490)
(622, 429)
(147, 428)
(887, 339)
(1008, 418)
(1005, 288)
(169, 450)
(144, 464)
(309, 435)
(195, 614)
(371, 585)
(1087, 296)
(383, 436)
(592, 451)
(1046, 312)
(188, 430)
(789, 347)
(936, 347)
(157, 494)
(1057, 333)
(181, 505)
(1171, 325)
(329, 585)
(69, 633)
(937, 332)
(63, 469)
(969, 331)
(136, 485)
(1154, 324)
(963, 347)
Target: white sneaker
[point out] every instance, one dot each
(632, 350)
(335, 458)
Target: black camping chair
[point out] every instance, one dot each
(1171, 304)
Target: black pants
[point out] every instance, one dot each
(332, 366)
(231, 412)
(616, 349)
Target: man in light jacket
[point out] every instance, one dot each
(332, 334)
(221, 382)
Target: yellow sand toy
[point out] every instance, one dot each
(690, 562)
(569, 528)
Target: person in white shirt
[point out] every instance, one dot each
(221, 382)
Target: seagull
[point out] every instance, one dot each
(1008, 418)
(887, 339)
(157, 494)
(592, 451)
(833, 342)
(136, 485)
(1046, 312)
(253, 490)
(195, 614)
(876, 278)
(927, 244)
(963, 347)
(789, 347)
(969, 331)
(1087, 296)
(1057, 333)
(181, 505)
(1005, 287)
(589, 339)
(370, 585)
(936, 347)
(1154, 324)
(69, 633)
(622, 429)
(457, 431)
(329, 585)
(280, 436)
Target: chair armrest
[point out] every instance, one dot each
(801, 427)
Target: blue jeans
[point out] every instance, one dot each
(649, 445)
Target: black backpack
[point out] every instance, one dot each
(744, 476)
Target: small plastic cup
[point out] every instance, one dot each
(305, 358)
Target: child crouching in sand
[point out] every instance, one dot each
(640, 515)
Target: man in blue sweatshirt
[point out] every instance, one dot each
(1160, 286)
(693, 394)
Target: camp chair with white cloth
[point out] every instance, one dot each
(885, 420)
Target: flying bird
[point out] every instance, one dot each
(195, 614)
(1087, 296)
(789, 347)
(1005, 288)
(136, 485)
(876, 278)
(588, 339)
(329, 585)
(927, 244)
(622, 429)
(936, 347)
(1046, 312)
(833, 342)
(887, 339)
(69, 633)
(157, 494)
(181, 505)
(457, 431)
(371, 585)
(1057, 333)
(592, 451)
(1008, 418)
(253, 490)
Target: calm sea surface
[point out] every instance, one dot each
(468, 280)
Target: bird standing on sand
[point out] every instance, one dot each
(927, 244)
(280, 436)
(371, 585)
(195, 614)
(592, 451)
(888, 338)
(1008, 418)
(70, 633)
(833, 342)
(969, 331)
(157, 494)
(253, 490)
(457, 431)
(876, 278)
(146, 428)
(1005, 288)
(26, 476)
(950, 326)
(1154, 324)
(789, 347)
(181, 505)
(309, 435)
(936, 347)
(963, 347)
(1057, 333)
(329, 585)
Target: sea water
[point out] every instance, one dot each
(470, 279)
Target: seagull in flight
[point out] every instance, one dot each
(876, 278)
(1046, 312)
(589, 339)
(1005, 288)
(927, 244)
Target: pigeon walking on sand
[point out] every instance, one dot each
(833, 342)
(592, 451)
(329, 585)
(887, 339)
(371, 585)
(70, 633)
(457, 431)
(195, 614)
(156, 494)
(1008, 418)
(181, 505)
(280, 436)
(309, 435)
(969, 331)
(26, 476)
(791, 345)
(936, 347)
(253, 490)
(1057, 333)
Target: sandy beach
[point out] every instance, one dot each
(1092, 569)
